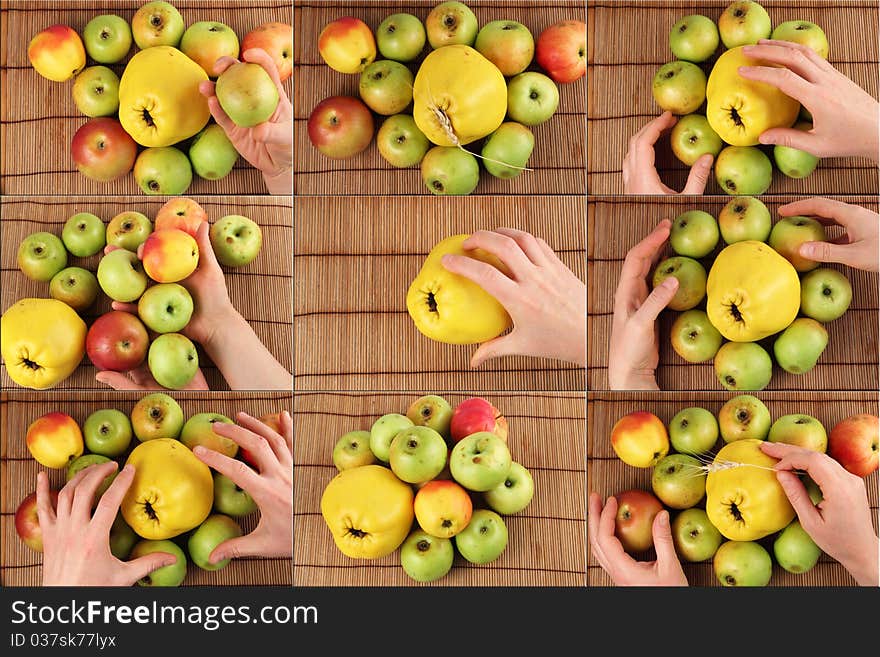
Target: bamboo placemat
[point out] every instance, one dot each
(629, 41)
(38, 117)
(260, 291)
(354, 260)
(560, 143)
(21, 566)
(615, 225)
(546, 544)
(608, 475)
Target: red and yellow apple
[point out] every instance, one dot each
(276, 39)
(347, 45)
(640, 439)
(182, 213)
(443, 508)
(54, 440)
(634, 521)
(853, 443)
(102, 150)
(117, 341)
(27, 523)
(170, 255)
(561, 50)
(340, 126)
(57, 53)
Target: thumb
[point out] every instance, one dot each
(657, 300)
(797, 494)
(699, 175)
(241, 546)
(823, 251)
(789, 137)
(501, 346)
(663, 544)
(143, 566)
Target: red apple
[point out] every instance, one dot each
(853, 443)
(181, 213)
(561, 50)
(27, 524)
(474, 415)
(277, 40)
(117, 341)
(102, 150)
(340, 126)
(636, 510)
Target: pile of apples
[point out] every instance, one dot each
(137, 257)
(175, 503)
(164, 112)
(448, 468)
(759, 290)
(472, 88)
(725, 114)
(737, 514)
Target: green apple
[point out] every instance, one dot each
(694, 536)
(803, 32)
(813, 489)
(236, 239)
(507, 44)
(231, 500)
(693, 430)
(163, 171)
(108, 432)
(513, 494)
(75, 286)
(798, 347)
(691, 277)
(742, 563)
(216, 529)
(84, 235)
(745, 218)
(431, 411)
(121, 276)
(401, 37)
(247, 94)
(157, 415)
(743, 366)
(742, 417)
(450, 171)
(743, 23)
(507, 150)
(172, 575)
(694, 38)
(678, 481)
(205, 42)
(128, 230)
(743, 170)
(480, 462)
(157, 23)
(352, 450)
(417, 454)
(792, 162)
(199, 430)
(694, 234)
(801, 430)
(173, 360)
(795, 550)
(122, 538)
(96, 91)
(426, 558)
(211, 153)
(166, 307)
(789, 233)
(88, 460)
(383, 431)
(107, 38)
(532, 98)
(825, 294)
(451, 23)
(694, 338)
(41, 256)
(386, 87)
(679, 87)
(401, 142)
(484, 538)
(692, 137)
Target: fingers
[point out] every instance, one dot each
(220, 116)
(222, 64)
(663, 544)
(485, 275)
(784, 79)
(287, 430)
(534, 248)
(504, 345)
(657, 301)
(824, 252)
(818, 206)
(84, 495)
(111, 500)
(239, 471)
(125, 307)
(67, 494)
(254, 443)
(143, 566)
(207, 257)
(797, 494)
(505, 248)
(45, 510)
(118, 381)
(640, 257)
(110, 247)
(241, 546)
(276, 441)
(699, 175)
(803, 140)
(820, 467)
(261, 57)
(648, 136)
(207, 88)
(795, 55)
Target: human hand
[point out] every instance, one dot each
(76, 543)
(841, 523)
(639, 173)
(858, 247)
(543, 297)
(269, 145)
(620, 566)
(271, 485)
(635, 345)
(844, 114)
(140, 378)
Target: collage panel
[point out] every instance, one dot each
(174, 498)
(744, 507)
(527, 531)
(375, 310)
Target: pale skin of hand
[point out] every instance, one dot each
(269, 145)
(841, 523)
(219, 328)
(858, 247)
(76, 544)
(634, 351)
(543, 297)
(844, 115)
(639, 172)
(621, 567)
(270, 485)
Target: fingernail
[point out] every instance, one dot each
(664, 519)
(669, 283)
(128, 468)
(764, 139)
(198, 449)
(808, 250)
